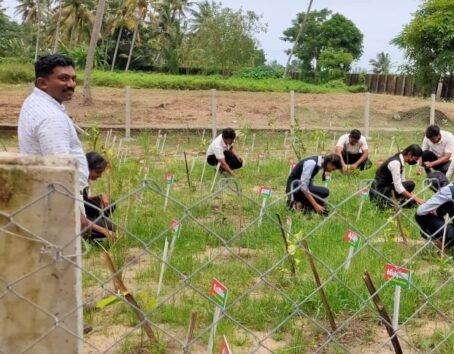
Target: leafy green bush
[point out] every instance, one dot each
(258, 73)
(13, 73)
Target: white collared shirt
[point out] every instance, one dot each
(46, 129)
(306, 175)
(217, 148)
(398, 178)
(446, 144)
(442, 196)
(359, 147)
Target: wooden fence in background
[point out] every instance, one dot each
(398, 85)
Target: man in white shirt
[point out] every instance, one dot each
(430, 215)
(353, 151)
(390, 177)
(221, 151)
(44, 126)
(438, 148)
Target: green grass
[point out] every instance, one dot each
(274, 301)
(17, 72)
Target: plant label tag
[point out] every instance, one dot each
(291, 162)
(168, 178)
(225, 349)
(352, 238)
(398, 276)
(265, 192)
(218, 293)
(260, 155)
(175, 226)
(363, 193)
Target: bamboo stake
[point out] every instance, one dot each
(319, 285)
(125, 292)
(383, 314)
(187, 170)
(290, 257)
(190, 332)
(399, 221)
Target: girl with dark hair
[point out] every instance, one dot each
(102, 227)
(390, 177)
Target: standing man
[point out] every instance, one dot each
(390, 178)
(302, 193)
(221, 151)
(353, 150)
(44, 126)
(438, 147)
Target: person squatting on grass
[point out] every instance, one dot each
(221, 151)
(438, 147)
(103, 226)
(302, 193)
(44, 126)
(353, 151)
(390, 177)
(430, 215)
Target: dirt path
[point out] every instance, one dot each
(192, 109)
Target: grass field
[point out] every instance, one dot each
(267, 310)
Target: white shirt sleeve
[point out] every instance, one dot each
(425, 144)
(308, 168)
(54, 136)
(341, 142)
(363, 143)
(449, 148)
(394, 167)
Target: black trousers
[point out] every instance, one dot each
(319, 194)
(93, 214)
(350, 159)
(429, 156)
(230, 159)
(378, 194)
(434, 226)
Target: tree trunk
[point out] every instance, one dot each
(57, 30)
(38, 26)
(116, 48)
(136, 28)
(87, 99)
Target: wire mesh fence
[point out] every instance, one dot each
(194, 270)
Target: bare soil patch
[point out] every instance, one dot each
(172, 109)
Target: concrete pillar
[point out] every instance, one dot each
(40, 277)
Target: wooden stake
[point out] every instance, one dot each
(125, 292)
(399, 221)
(319, 285)
(190, 332)
(383, 314)
(284, 236)
(187, 170)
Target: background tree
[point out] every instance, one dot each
(11, 43)
(428, 42)
(382, 64)
(323, 31)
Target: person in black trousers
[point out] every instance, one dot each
(221, 151)
(390, 177)
(303, 195)
(430, 215)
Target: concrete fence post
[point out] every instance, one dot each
(432, 109)
(213, 113)
(292, 113)
(128, 113)
(366, 114)
(40, 277)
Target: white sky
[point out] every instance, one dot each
(379, 21)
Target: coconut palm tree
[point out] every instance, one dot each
(382, 64)
(141, 7)
(76, 21)
(91, 51)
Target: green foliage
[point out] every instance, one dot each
(324, 32)
(11, 43)
(382, 64)
(428, 42)
(13, 72)
(259, 72)
(334, 64)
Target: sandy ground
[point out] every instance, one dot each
(193, 109)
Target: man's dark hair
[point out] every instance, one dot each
(334, 159)
(96, 162)
(413, 149)
(46, 65)
(432, 131)
(355, 134)
(228, 133)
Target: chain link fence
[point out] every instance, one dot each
(216, 266)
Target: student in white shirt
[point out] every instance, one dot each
(430, 215)
(221, 151)
(438, 148)
(353, 151)
(390, 177)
